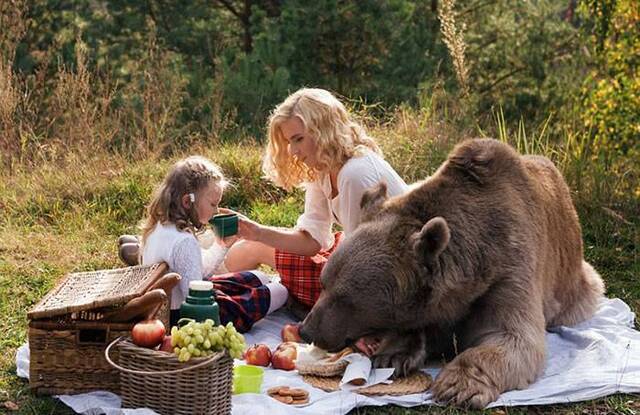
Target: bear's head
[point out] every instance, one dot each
(380, 277)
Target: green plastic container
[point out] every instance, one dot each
(247, 379)
(200, 303)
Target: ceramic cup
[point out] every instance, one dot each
(225, 225)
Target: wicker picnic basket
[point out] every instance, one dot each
(68, 333)
(157, 380)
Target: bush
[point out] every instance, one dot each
(611, 92)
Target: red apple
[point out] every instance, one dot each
(258, 355)
(291, 333)
(284, 357)
(166, 346)
(148, 333)
(287, 345)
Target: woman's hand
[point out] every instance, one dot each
(296, 241)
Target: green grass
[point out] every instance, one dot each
(66, 215)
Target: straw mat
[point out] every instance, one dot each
(416, 383)
(322, 368)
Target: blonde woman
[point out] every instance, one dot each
(314, 143)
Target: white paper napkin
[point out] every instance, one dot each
(360, 368)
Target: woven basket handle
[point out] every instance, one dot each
(162, 372)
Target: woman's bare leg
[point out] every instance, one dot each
(245, 255)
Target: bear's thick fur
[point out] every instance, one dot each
(472, 264)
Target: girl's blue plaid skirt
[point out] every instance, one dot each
(242, 299)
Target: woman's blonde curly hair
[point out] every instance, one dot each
(189, 175)
(326, 119)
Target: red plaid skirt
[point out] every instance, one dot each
(301, 274)
(242, 299)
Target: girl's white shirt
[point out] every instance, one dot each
(181, 251)
(358, 174)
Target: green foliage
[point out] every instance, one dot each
(523, 56)
(376, 50)
(611, 92)
(526, 57)
(283, 214)
(255, 83)
(379, 51)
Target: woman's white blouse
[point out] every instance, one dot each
(358, 174)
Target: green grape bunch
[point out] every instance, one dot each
(200, 339)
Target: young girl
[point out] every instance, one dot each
(313, 142)
(180, 208)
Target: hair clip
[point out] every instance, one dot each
(192, 197)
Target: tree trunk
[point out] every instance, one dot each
(246, 23)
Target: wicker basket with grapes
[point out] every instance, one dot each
(195, 378)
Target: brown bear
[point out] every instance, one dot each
(471, 264)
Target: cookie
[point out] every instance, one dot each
(289, 396)
(284, 399)
(273, 391)
(300, 401)
(295, 393)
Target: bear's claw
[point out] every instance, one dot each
(464, 387)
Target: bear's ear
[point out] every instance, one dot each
(372, 200)
(431, 240)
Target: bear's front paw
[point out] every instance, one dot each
(403, 363)
(465, 385)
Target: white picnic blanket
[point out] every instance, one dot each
(595, 358)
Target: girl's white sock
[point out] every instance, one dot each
(262, 276)
(279, 295)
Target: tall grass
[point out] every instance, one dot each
(453, 37)
(62, 109)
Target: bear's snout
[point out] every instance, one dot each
(305, 335)
(321, 329)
